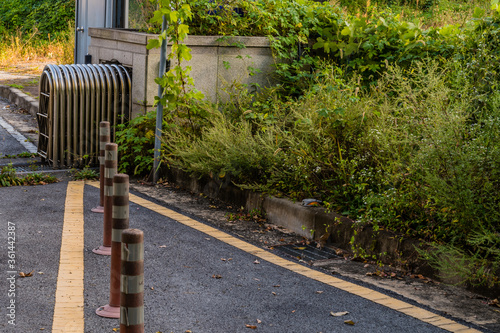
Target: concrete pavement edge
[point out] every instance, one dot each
(19, 98)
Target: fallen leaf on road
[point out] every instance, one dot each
(274, 293)
(116, 329)
(276, 286)
(251, 326)
(259, 321)
(300, 248)
(162, 246)
(216, 276)
(319, 292)
(494, 303)
(23, 275)
(256, 262)
(338, 314)
(349, 322)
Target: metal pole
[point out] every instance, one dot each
(159, 107)
(120, 223)
(132, 282)
(77, 21)
(104, 138)
(110, 167)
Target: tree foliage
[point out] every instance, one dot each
(48, 17)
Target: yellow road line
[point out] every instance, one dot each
(369, 294)
(68, 309)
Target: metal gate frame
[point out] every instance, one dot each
(74, 99)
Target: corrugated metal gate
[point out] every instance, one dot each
(73, 100)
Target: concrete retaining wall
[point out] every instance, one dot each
(215, 63)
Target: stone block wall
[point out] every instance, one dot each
(216, 62)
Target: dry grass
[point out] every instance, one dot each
(444, 13)
(29, 54)
(452, 12)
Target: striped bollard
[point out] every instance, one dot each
(104, 138)
(132, 282)
(110, 167)
(120, 222)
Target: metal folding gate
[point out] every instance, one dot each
(73, 100)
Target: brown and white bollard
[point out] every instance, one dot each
(110, 167)
(132, 282)
(104, 138)
(120, 218)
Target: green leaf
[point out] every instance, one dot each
(478, 13)
(346, 31)
(174, 16)
(183, 29)
(494, 4)
(350, 48)
(153, 44)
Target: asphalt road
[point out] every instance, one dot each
(181, 293)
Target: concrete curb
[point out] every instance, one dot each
(19, 98)
(324, 227)
(313, 223)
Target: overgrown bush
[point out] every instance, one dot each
(49, 18)
(389, 123)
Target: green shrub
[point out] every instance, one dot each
(223, 150)
(387, 122)
(49, 17)
(136, 144)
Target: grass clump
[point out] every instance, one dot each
(85, 174)
(9, 178)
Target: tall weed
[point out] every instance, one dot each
(225, 150)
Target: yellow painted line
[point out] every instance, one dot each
(68, 309)
(369, 294)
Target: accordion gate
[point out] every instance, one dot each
(73, 100)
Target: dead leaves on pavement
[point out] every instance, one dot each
(24, 275)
